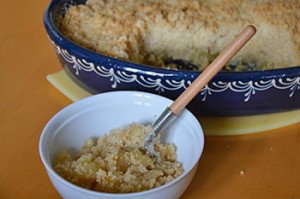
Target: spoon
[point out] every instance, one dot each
(207, 74)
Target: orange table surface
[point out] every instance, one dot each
(261, 165)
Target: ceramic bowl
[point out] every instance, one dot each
(228, 94)
(94, 116)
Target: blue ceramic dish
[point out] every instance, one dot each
(228, 94)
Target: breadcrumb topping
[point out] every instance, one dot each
(115, 163)
(153, 31)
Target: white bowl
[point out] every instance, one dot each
(96, 115)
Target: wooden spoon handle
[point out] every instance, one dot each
(212, 69)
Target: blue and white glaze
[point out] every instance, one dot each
(228, 94)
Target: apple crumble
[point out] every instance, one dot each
(156, 32)
(115, 163)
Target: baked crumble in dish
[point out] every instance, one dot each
(187, 34)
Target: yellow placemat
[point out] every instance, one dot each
(211, 125)
(67, 86)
